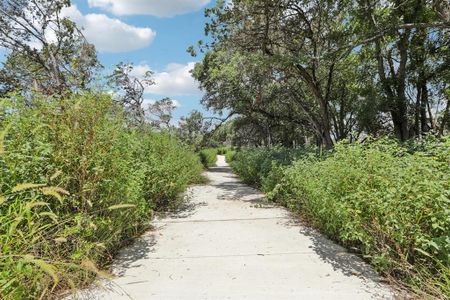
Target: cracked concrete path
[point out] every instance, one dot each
(229, 245)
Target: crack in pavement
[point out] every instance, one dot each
(221, 220)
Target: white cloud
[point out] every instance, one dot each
(140, 70)
(175, 80)
(159, 8)
(108, 34)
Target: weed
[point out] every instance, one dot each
(76, 183)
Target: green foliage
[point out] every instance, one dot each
(271, 84)
(64, 63)
(192, 129)
(224, 150)
(260, 166)
(230, 155)
(208, 157)
(169, 167)
(390, 204)
(76, 183)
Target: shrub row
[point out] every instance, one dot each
(390, 203)
(76, 183)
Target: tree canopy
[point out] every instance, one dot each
(328, 70)
(46, 50)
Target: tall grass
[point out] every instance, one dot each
(76, 183)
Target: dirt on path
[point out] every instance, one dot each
(230, 245)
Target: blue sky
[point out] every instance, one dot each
(152, 34)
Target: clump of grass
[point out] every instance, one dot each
(170, 167)
(33, 242)
(76, 183)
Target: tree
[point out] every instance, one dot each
(328, 69)
(45, 50)
(301, 41)
(130, 90)
(160, 113)
(410, 49)
(193, 128)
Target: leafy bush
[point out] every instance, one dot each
(208, 157)
(390, 204)
(169, 168)
(229, 156)
(224, 150)
(255, 166)
(76, 183)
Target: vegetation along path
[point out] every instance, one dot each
(231, 246)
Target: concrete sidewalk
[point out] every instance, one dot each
(230, 246)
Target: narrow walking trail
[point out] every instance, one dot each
(231, 246)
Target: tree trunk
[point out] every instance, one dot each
(423, 108)
(445, 119)
(327, 140)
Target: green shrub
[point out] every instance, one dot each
(391, 205)
(208, 157)
(254, 166)
(224, 150)
(229, 156)
(76, 183)
(170, 167)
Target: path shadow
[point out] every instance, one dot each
(340, 258)
(220, 170)
(129, 257)
(185, 210)
(235, 191)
